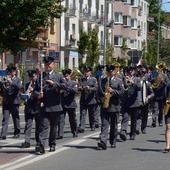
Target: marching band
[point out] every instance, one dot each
(123, 93)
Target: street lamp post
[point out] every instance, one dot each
(104, 49)
(159, 14)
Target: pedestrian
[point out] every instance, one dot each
(11, 86)
(51, 106)
(32, 108)
(110, 115)
(87, 99)
(69, 105)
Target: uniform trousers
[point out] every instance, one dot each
(97, 113)
(109, 118)
(83, 112)
(126, 113)
(48, 119)
(12, 109)
(72, 119)
(157, 111)
(28, 126)
(142, 118)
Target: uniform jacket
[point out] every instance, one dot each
(31, 105)
(68, 95)
(117, 85)
(52, 98)
(149, 91)
(12, 91)
(159, 92)
(89, 97)
(130, 98)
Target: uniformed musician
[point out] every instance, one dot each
(130, 103)
(11, 86)
(145, 96)
(100, 74)
(51, 105)
(87, 99)
(69, 105)
(158, 100)
(32, 108)
(110, 115)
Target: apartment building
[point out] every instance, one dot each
(130, 23)
(83, 14)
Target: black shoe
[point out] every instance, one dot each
(79, 130)
(75, 135)
(132, 138)
(166, 150)
(96, 126)
(93, 129)
(16, 136)
(137, 132)
(52, 149)
(153, 125)
(3, 138)
(26, 145)
(122, 136)
(102, 145)
(59, 137)
(113, 146)
(160, 124)
(144, 131)
(40, 149)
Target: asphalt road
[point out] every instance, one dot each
(82, 153)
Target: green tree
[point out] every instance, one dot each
(21, 18)
(83, 42)
(144, 52)
(93, 48)
(151, 53)
(154, 8)
(109, 53)
(124, 49)
(164, 51)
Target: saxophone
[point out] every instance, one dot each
(167, 106)
(107, 95)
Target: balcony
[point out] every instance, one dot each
(140, 10)
(87, 17)
(70, 44)
(109, 24)
(139, 33)
(100, 20)
(71, 13)
(109, 1)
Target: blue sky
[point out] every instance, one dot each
(165, 5)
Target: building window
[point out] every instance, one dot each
(127, 1)
(133, 44)
(128, 42)
(118, 17)
(126, 20)
(73, 62)
(133, 23)
(118, 40)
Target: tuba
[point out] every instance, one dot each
(75, 74)
(159, 78)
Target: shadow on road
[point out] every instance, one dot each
(83, 147)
